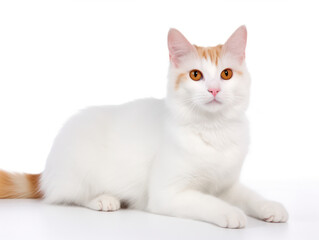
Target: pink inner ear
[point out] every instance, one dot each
(178, 46)
(236, 44)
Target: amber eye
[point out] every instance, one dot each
(196, 75)
(226, 74)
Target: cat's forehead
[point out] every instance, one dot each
(209, 54)
(209, 58)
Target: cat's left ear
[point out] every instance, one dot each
(235, 46)
(179, 47)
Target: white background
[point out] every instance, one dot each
(57, 57)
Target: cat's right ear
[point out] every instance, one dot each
(178, 46)
(236, 44)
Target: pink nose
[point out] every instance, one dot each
(214, 91)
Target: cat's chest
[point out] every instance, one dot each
(214, 156)
(224, 141)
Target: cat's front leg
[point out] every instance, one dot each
(199, 206)
(255, 205)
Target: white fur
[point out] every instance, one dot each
(180, 156)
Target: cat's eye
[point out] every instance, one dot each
(195, 75)
(226, 74)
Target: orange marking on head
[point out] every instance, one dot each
(213, 53)
(239, 72)
(179, 79)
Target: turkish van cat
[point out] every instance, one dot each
(180, 156)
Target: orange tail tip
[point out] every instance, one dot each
(17, 185)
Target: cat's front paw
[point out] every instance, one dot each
(231, 218)
(273, 212)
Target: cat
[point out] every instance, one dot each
(180, 156)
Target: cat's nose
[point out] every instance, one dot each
(214, 91)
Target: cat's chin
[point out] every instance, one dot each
(212, 106)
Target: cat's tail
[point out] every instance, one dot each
(19, 185)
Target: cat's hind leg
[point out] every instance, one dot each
(104, 203)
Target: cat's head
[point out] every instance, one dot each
(208, 80)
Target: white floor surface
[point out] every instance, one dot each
(32, 219)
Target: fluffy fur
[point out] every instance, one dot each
(180, 156)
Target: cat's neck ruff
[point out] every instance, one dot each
(196, 118)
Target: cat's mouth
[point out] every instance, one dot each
(214, 101)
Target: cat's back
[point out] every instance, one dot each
(140, 115)
(133, 127)
(139, 121)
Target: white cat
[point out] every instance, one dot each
(180, 156)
